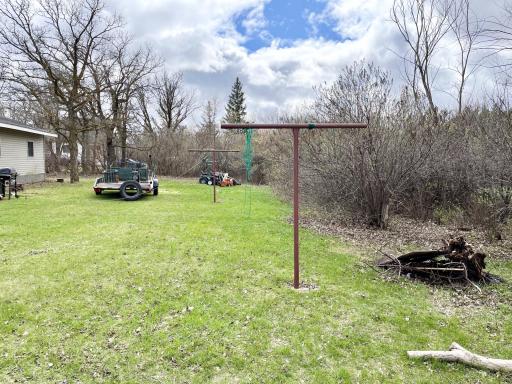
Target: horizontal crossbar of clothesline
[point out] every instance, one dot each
(295, 126)
(213, 150)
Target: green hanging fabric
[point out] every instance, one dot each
(248, 168)
(248, 154)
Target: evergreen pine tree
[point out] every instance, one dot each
(236, 109)
(236, 113)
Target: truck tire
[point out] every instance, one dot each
(155, 187)
(130, 190)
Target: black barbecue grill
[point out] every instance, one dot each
(8, 183)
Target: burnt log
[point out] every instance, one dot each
(455, 261)
(417, 256)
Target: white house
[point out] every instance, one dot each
(22, 148)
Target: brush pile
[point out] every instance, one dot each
(456, 261)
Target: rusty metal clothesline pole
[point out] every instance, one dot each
(295, 131)
(296, 281)
(214, 167)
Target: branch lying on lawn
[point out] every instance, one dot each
(462, 355)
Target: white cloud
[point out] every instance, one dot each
(354, 18)
(199, 38)
(255, 20)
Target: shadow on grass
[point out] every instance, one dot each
(113, 196)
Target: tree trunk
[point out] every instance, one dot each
(73, 155)
(53, 147)
(432, 106)
(379, 213)
(85, 152)
(58, 152)
(111, 151)
(94, 152)
(124, 138)
(384, 214)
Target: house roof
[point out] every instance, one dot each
(17, 126)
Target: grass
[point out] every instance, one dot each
(174, 289)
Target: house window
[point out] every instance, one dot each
(30, 149)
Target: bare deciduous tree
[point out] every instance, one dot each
(120, 72)
(467, 29)
(144, 117)
(162, 109)
(48, 46)
(422, 24)
(498, 38)
(208, 127)
(174, 103)
(367, 171)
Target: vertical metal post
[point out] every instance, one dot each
(295, 129)
(295, 208)
(214, 178)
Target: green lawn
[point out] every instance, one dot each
(174, 289)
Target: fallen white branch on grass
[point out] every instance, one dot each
(462, 355)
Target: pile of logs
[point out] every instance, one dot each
(455, 261)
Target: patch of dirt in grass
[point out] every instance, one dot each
(276, 343)
(304, 287)
(465, 300)
(225, 378)
(405, 234)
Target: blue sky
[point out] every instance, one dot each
(288, 22)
